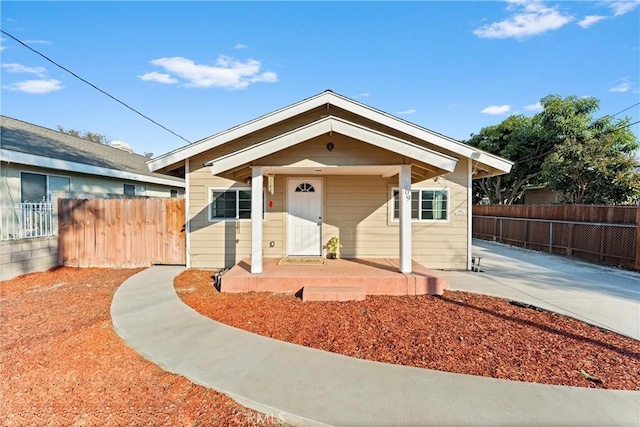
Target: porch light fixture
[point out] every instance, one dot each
(330, 146)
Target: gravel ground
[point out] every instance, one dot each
(62, 364)
(457, 332)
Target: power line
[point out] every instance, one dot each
(95, 87)
(622, 111)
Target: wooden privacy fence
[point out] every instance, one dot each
(603, 234)
(121, 233)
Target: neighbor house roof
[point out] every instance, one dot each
(488, 163)
(33, 145)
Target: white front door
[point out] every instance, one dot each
(304, 222)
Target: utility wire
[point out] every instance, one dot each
(622, 111)
(95, 87)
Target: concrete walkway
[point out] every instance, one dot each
(312, 387)
(598, 295)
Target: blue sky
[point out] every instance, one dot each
(202, 67)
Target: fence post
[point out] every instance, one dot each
(550, 237)
(570, 239)
(638, 237)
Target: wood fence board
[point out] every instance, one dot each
(121, 233)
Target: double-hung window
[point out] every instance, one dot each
(230, 204)
(426, 204)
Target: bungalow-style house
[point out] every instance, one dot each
(40, 165)
(284, 184)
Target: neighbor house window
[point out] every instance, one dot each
(134, 190)
(36, 187)
(426, 205)
(230, 204)
(129, 190)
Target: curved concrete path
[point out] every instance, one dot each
(312, 387)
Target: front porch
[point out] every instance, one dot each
(373, 276)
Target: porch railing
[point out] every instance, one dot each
(26, 220)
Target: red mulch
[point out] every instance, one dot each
(458, 332)
(61, 362)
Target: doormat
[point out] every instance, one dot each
(301, 261)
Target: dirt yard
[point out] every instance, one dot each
(458, 332)
(62, 364)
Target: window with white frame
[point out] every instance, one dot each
(36, 187)
(230, 204)
(426, 204)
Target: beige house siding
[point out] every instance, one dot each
(355, 208)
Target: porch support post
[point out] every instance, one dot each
(256, 219)
(405, 218)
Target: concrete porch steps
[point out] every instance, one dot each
(333, 293)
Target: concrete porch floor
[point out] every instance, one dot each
(375, 276)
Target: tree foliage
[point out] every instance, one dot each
(89, 136)
(519, 139)
(563, 148)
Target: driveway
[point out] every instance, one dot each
(602, 296)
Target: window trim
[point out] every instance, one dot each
(236, 189)
(419, 219)
(48, 189)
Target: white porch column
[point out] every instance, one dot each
(405, 218)
(256, 219)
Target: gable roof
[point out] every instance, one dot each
(324, 126)
(492, 164)
(33, 145)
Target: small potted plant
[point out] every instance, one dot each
(333, 247)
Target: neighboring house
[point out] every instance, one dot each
(40, 165)
(285, 183)
(540, 195)
(38, 162)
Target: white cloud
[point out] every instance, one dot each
(47, 42)
(590, 20)
(622, 7)
(157, 77)
(529, 18)
(533, 107)
(2, 47)
(240, 46)
(409, 111)
(227, 72)
(36, 87)
(497, 109)
(14, 67)
(622, 86)
(454, 106)
(362, 95)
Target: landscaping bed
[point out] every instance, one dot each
(61, 362)
(457, 332)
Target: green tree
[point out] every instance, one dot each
(519, 139)
(89, 136)
(594, 160)
(565, 149)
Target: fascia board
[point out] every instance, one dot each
(326, 125)
(237, 132)
(402, 126)
(47, 162)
